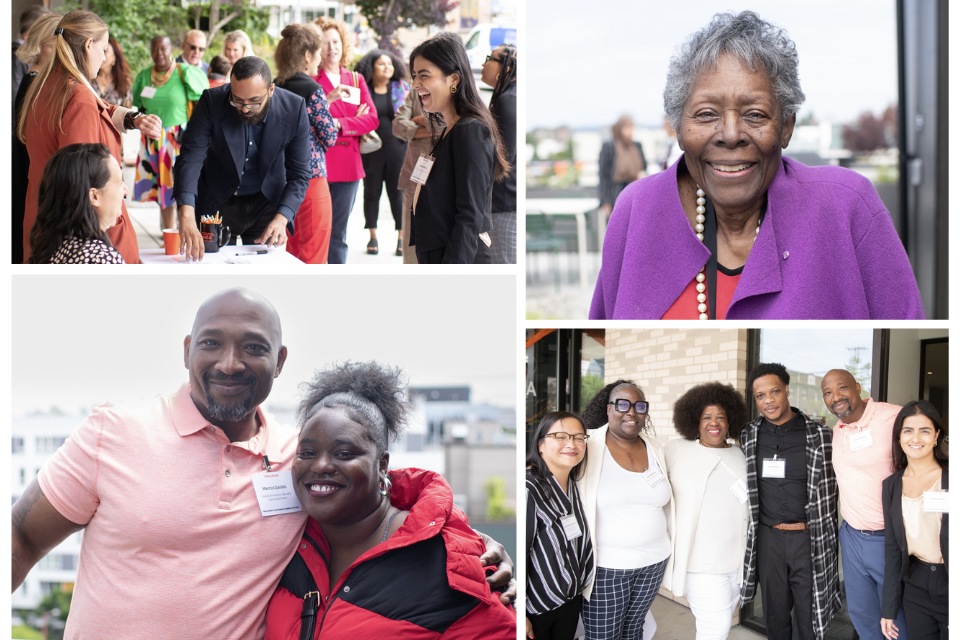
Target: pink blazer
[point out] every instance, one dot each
(343, 158)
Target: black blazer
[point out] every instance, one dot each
(211, 157)
(898, 559)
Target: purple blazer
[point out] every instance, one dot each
(826, 250)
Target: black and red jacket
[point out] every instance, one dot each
(424, 582)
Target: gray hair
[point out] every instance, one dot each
(758, 44)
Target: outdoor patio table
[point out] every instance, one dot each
(227, 255)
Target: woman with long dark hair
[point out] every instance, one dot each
(114, 83)
(297, 58)
(917, 526)
(452, 206)
(60, 108)
(386, 77)
(559, 548)
(81, 196)
(500, 72)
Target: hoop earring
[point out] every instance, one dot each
(385, 485)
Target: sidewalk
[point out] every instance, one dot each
(146, 220)
(676, 622)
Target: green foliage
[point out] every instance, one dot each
(58, 601)
(23, 632)
(590, 385)
(861, 369)
(497, 500)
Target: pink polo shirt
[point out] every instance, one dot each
(860, 473)
(175, 546)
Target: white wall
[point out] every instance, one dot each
(903, 378)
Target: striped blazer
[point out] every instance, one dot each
(557, 569)
(822, 519)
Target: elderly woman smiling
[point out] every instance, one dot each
(735, 231)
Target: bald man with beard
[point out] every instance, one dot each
(175, 543)
(862, 459)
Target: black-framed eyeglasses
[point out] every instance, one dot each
(563, 436)
(623, 406)
(251, 106)
(194, 47)
(492, 57)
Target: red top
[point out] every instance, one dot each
(85, 119)
(685, 307)
(343, 158)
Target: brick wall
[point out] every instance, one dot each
(668, 362)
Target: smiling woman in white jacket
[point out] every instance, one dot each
(627, 501)
(710, 498)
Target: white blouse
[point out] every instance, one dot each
(631, 524)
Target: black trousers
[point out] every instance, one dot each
(925, 601)
(786, 582)
(381, 166)
(559, 624)
(247, 216)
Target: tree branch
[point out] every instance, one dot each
(216, 28)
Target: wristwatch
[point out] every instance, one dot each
(130, 119)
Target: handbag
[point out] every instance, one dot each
(190, 105)
(369, 142)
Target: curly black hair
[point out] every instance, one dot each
(595, 413)
(689, 407)
(365, 66)
(372, 395)
(766, 369)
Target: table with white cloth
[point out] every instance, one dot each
(229, 254)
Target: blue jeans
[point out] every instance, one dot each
(863, 562)
(342, 197)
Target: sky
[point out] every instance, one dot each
(814, 350)
(82, 340)
(590, 63)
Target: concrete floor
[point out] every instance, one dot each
(676, 622)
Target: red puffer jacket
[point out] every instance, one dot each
(424, 582)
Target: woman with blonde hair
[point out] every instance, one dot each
(297, 58)
(60, 108)
(236, 45)
(352, 121)
(33, 53)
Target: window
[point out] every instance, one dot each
(47, 587)
(48, 445)
(17, 445)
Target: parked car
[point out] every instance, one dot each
(483, 39)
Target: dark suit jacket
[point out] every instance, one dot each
(607, 191)
(211, 157)
(898, 559)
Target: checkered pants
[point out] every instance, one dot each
(620, 601)
(504, 238)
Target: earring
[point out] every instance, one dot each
(385, 485)
(453, 89)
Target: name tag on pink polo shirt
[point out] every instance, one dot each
(860, 440)
(275, 493)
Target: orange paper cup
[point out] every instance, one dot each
(171, 242)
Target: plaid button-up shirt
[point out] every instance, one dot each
(822, 519)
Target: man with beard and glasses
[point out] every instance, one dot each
(862, 458)
(176, 543)
(245, 154)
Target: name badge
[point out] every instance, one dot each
(773, 468)
(570, 527)
(652, 476)
(936, 501)
(148, 92)
(861, 440)
(353, 98)
(422, 170)
(739, 489)
(275, 493)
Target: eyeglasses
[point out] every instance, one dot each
(248, 106)
(492, 57)
(194, 47)
(623, 406)
(563, 436)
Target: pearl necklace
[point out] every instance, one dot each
(701, 218)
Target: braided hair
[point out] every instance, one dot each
(508, 70)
